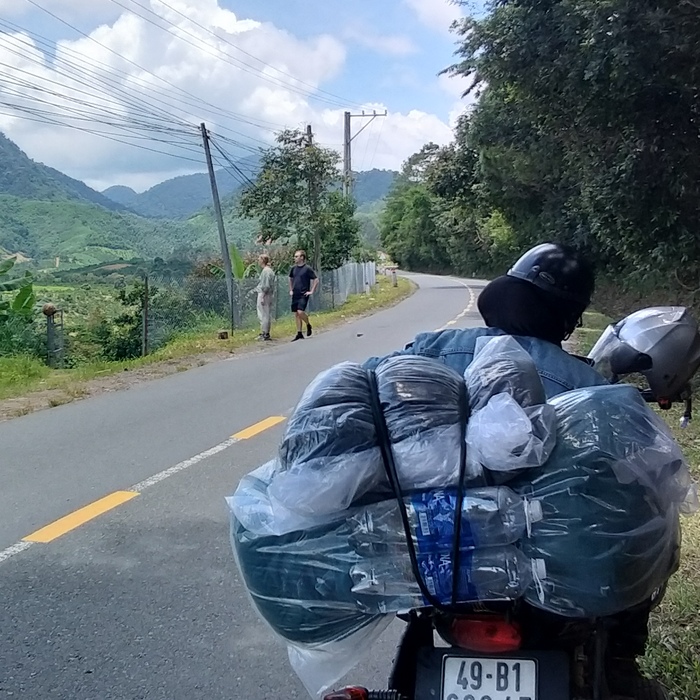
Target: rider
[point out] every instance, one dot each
(541, 301)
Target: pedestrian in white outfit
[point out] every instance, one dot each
(265, 290)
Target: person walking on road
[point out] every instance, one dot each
(302, 284)
(265, 290)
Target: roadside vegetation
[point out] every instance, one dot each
(22, 374)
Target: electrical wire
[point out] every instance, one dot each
(340, 100)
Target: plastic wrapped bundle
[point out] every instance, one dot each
(504, 437)
(502, 365)
(425, 411)
(329, 455)
(299, 580)
(610, 494)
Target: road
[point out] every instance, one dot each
(143, 600)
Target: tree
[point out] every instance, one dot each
(588, 127)
(293, 199)
(339, 230)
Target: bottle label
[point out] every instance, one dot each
(435, 517)
(436, 572)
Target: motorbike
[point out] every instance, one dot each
(508, 650)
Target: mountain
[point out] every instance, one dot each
(121, 195)
(45, 214)
(182, 196)
(20, 176)
(372, 185)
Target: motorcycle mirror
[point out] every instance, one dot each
(624, 359)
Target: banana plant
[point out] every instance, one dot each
(238, 266)
(22, 303)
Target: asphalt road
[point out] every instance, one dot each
(144, 601)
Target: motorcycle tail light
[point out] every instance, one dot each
(357, 693)
(350, 693)
(488, 634)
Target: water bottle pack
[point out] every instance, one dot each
(571, 504)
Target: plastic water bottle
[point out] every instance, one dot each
(491, 516)
(387, 584)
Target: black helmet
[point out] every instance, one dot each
(558, 270)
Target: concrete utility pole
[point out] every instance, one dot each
(220, 223)
(347, 145)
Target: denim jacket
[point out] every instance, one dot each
(558, 370)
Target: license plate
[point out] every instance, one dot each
(465, 678)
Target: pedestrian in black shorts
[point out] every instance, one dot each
(302, 284)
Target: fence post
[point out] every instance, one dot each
(144, 318)
(50, 338)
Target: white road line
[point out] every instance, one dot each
(155, 479)
(465, 311)
(141, 486)
(14, 549)
(185, 464)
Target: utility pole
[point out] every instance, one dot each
(347, 145)
(220, 223)
(313, 206)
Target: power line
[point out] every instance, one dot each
(94, 63)
(376, 144)
(56, 122)
(230, 162)
(237, 63)
(199, 101)
(154, 119)
(339, 100)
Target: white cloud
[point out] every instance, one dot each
(436, 14)
(391, 45)
(389, 140)
(94, 86)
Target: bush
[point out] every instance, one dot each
(21, 335)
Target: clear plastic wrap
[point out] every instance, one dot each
(418, 394)
(425, 411)
(505, 437)
(592, 530)
(333, 417)
(387, 584)
(329, 485)
(330, 458)
(259, 513)
(491, 516)
(610, 494)
(329, 455)
(320, 666)
(502, 365)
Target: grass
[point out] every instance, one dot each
(20, 376)
(673, 654)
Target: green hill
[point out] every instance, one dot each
(20, 176)
(184, 196)
(45, 214)
(85, 234)
(180, 197)
(372, 185)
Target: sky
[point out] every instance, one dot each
(112, 92)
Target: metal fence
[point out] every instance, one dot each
(194, 303)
